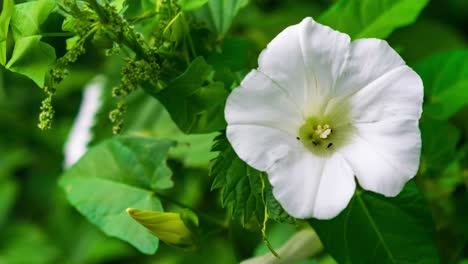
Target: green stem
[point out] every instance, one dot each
(204, 216)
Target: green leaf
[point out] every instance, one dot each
(117, 174)
(439, 145)
(234, 55)
(193, 106)
(445, 77)
(28, 17)
(26, 243)
(242, 186)
(32, 58)
(376, 229)
(8, 191)
(219, 14)
(5, 16)
(188, 5)
(372, 18)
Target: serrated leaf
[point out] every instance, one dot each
(372, 18)
(32, 58)
(445, 77)
(219, 14)
(117, 174)
(376, 229)
(242, 186)
(193, 106)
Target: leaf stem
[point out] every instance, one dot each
(204, 216)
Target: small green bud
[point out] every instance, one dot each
(168, 227)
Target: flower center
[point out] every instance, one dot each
(322, 136)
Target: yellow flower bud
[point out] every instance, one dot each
(168, 227)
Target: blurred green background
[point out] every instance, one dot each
(37, 225)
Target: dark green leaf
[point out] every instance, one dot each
(26, 243)
(193, 106)
(32, 58)
(233, 56)
(219, 14)
(439, 145)
(242, 186)
(115, 175)
(372, 18)
(445, 77)
(376, 229)
(8, 190)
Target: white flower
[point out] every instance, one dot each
(320, 110)
(80, 134)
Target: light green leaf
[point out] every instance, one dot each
(117, 174)
(32, 58)
(8, 190)
(376, 229)
(188, 5)
(7, 11)
(372, 18)
(193, 106)
(219, 14)
(28, 17)
(445, 77)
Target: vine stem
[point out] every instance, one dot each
(204, 216)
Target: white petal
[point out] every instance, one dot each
(80, 134)
(396, 94)
(384, 155)
(368, 59)
(260, 101)
(336, 188)
(310, 186)
(261, 146)
(305, 60)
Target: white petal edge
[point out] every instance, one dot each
(305, 60)
(367, 60)
(261, 146)
(384, 155)
(396, 94)
(80, 133)
(309, 186)
(260, 101)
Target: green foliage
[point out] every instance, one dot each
(30, 56)
(193, 106)
(188, 5)
(445, 77)
(8, 192)
(439, 148)
(371, 18)
(134, 168)
(375, 229)
(243, 187)
(26, 243)
(8, 9)
(219, 14)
